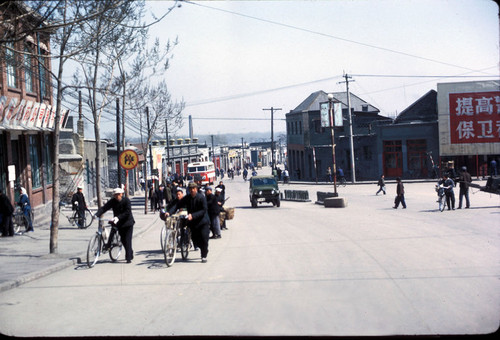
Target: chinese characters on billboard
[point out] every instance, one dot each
(475, 117)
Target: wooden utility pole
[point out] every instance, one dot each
(351, 142)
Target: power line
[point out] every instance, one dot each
(331, 36)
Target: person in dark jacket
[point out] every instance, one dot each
(213, 206)
(198, 220)
(24, 203)
(400, 194)
(123, 219)
(448, 191)
(465, 179)
(223, 188)
(6, 211)
(78, 204)
(381, 184)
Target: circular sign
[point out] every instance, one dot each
(129, 159)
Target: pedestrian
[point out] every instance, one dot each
(223, 192)
(221, 204)
(448, 191)
(465, 179)
(24, 203)
(153, 197)
(340, 174)
(198, 220)
(168, 193)
(6, 211)
(286, 176)
(493, 164)
(329, 175)
(160, 197)
(279, 173)
(381, 184)
(122, 218)
(400, 194)
(213, 208)
(143, 183)
(78, 203)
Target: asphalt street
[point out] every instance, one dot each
(300, 269)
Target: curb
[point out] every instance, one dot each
(77, 259)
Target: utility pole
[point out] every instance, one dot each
(118, 142)
(272, 109)
(351, 143)
(168, 148)
(242, 154)
(213, 151)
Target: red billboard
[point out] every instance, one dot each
(475, 117)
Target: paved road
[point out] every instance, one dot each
(300, 269)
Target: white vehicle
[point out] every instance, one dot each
(202, 172)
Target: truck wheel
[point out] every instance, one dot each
(278, 202)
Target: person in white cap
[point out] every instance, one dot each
(78, 204)
(123, 219)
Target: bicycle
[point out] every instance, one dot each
(177, 234)
(342, 181)
(97, 242)
(88, 218)
(20, 220)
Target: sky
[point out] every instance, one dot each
(236, 58)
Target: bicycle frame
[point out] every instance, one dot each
(96, 245)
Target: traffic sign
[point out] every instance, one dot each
(129, 159)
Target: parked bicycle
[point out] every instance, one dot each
(88, 218)
(20, 221)
(176, 234)
(98, 241)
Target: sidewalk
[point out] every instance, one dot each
(26, 257)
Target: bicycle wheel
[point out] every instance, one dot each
(170, 247)
(162, 237)
(94, 250)
(89, 218)
(343, 182)
(442, 204)
(185, 242)
(20, 222)
(116, 247)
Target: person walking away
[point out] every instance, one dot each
(340, 173)
(78, 204)
(168, 193)
(213, 208)
(245, 174)
(198, 220)
(278, 171)
(465, 179)
(400, 194)
(329, 175)
(24, 203)
(493, 164)
(122, 218)
(221, 201)
(448, 191)
(6, 212)
(160, 197)
(381, 184)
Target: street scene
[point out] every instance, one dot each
(300, 269)
(249, 168)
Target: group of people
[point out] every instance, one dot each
(203, 213)
(7, 212)
(464, 180)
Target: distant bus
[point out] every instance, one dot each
(202, 172)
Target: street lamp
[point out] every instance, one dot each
(330, 117)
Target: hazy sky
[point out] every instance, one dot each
(263, 54)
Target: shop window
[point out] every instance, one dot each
(35, 161)
(48, 158)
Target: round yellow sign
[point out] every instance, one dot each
(129, 159)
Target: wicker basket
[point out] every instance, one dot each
(229, 213)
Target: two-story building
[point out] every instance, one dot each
(27, 117)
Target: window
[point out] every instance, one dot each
(35, 161)
(367, 152)
(48, 160)
(28, 70)
(44, 75)
(317, 126)
(10, 60)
